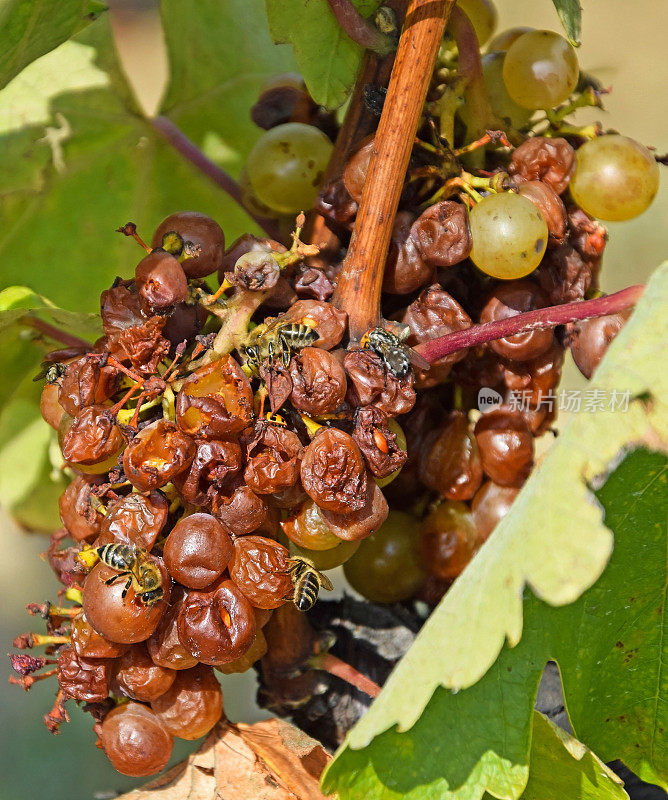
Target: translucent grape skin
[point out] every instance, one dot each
(502, 103)
(502, 41)
(540, 70)
(509, 236)
(483, 16)
(616, 178)
(386, 566)
(448, 540)
(286, 165)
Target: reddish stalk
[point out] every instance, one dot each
(361, 30)
(360, 281)
(531, 320)
(56, 334)
(180, 142)
(334, 666)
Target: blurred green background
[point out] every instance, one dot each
(623, 44)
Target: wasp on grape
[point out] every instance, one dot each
(275, 341)
(143, 575)
(307, 582)
(395, 355)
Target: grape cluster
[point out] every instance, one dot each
(226, 448)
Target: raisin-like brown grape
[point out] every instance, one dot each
(370, 382)
(450, 460)
(259, 568)
(88, 643)
(197, 550)
(91, 438)
(158, 453)
(490, 505)
(329, 322)
(77, 512)
(247, 243)
(83, 679)
(318, 381)
(193, 704)
(242, 511)
(307, 528)
(120, 308)
(539, 159)
(216, 401)
(590, 339)
(217, 625)
(135, 740)
(274, 458)
(124, 620)
(357, 525)
(138, 677)
(535, 380)
(136, 519)
(50, 409)
(214, 463)
(405, 268)
(506, 446)
(550, 205)
(354, 174)
(201, 231)
(333, 471)
(164, 645)
(442, 234)
(85, 383)
(509, 299)
(448, 540)
(161, 282)
(378, 442)
(143, 346)
(254, 653)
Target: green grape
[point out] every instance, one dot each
(286, 166)
(326, 559)
(386, 567)
(616, 178)
(394, 426)
(483, 16)
(509, 236)
(541, 70)
(502, 41)
(502, 103)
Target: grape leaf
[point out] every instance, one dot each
(570, 14)
(562, 767)
(30, 28)
(78, 160)
(328, 58)
(554, 541)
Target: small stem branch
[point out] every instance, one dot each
(361, 30)
(359, 287)
(531, 320)
(180, 142)
(56, 334)
(329, 663)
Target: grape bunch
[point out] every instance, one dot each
(229, 445)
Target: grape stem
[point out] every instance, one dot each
(360, 281)
(181, 143)
(57, 335)
(361, 30)
(326, 662)
(531, 320)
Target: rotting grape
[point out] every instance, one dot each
(192, 705)
(135, 741)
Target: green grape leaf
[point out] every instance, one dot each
(21, 306)
(30, 28)
(78, 160)
(328, 58)
(562, 767)
(570, 14)
(555, 542)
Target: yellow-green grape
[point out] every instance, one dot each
(386, 567)
(326, 559)
(286, 166)
(616, 178)
(541, 70)
(250, 201)
(502, 103)
(394, 426)
(509, 235)
(503, 40)
(483, 16)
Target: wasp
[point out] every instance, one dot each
(275, 341)
(307, 582)
(275, 419)
(395, 355)
(132, 562)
